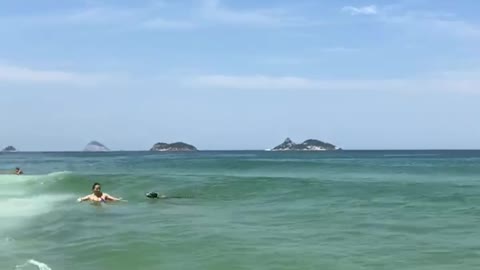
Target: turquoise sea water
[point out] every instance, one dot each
(243, 210)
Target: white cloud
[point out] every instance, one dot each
(455, 27)
(366, 10)
(418, 20)
(11, 73)
(445, 81)
(252, 82)
(443, 23)
(84, 16)
(452, 81)
(99, 15)
(162, 15)
(437, 23)
(146, 16)
(213, 11)
(261, 82)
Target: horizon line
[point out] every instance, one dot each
(246, 150)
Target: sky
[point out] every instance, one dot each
(231, 74)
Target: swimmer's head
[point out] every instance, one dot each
(97, 189)
(152, 195)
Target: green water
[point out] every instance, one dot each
(243, 210)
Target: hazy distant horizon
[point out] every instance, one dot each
(146, 149)
(240, 149)
(226, 74)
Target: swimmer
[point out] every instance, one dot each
(155, 195)
(18, 171)
(98, 196)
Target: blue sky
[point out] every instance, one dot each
(224, 74)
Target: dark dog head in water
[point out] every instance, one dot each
(152, 195)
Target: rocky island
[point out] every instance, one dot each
(308, 145)
(9, 149)
(95, 146)
(173, 147)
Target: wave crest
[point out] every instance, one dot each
(39, 265)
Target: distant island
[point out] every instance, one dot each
(95, 146)
(173, 147)
(9, 149)
(308, 145)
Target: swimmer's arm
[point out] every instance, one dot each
(86, 198)
(111, 198)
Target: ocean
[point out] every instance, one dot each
(345, 210)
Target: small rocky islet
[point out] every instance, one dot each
(9, 149)
(173, 147)
(308, 145)
(95, 146)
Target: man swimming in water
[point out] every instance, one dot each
(156, 195)
(18, 171)
(98, 196)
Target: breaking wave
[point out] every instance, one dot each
(25, 197)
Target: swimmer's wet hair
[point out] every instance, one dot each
(152, 195)
(95, 185)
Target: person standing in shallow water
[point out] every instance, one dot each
(98, 196)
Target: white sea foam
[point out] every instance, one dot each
(20, 199)
(6, 179)
(39, 265)
(15, 212)
(9, 179)
(30, 206)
